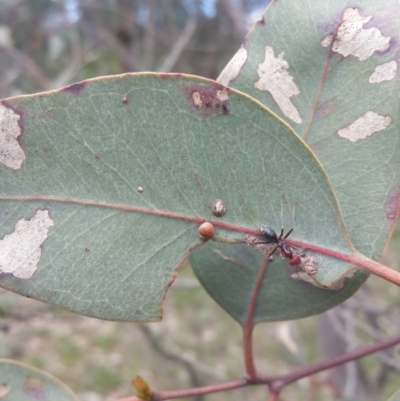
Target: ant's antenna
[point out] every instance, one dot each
(290, 231)
(282, 199)
(294, 209)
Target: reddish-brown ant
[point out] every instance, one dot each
(270, 237)
(294, 256)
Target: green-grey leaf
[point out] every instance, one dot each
(330, 69)
(228, 273)
(103, 191)
(20, 382)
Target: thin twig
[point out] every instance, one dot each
(251, 371)
(179, 46)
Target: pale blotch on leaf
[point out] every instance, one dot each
(197, 99)
(11, 153)
(231, 71)
(4, 390)
(383, 72)
(222, 95)
(327, 41)
(275, 78)
(353, 39)
(303, 276)
(20, 251)
(365, 126)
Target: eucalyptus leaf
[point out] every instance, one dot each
(330, 70)
(104, 184)
(229, 272)
(20, 382)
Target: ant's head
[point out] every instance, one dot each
(269, 234)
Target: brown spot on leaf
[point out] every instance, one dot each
(392, 206)
(33, 387)
(75, 89)
(208, 100)
(325, 109)
(168, 76)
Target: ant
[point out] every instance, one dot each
(270, 237)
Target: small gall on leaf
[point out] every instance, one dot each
(125, 99)
(140, 189)
(218, 208)
(206, 230)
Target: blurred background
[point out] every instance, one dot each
(47, 44)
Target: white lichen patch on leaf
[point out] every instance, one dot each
(197, 99)
(326, 41)
(275, 78)
(222, 95)
(353, 39)
(11, 153)
(365, 126)
(383, 72)
(303, 276)
(20, 251)
(231, 71)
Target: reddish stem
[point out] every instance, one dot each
(166, 395)
(277, 382)
(251, 371)
(355, 259)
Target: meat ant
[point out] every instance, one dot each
(270, 237)
(295, 257)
